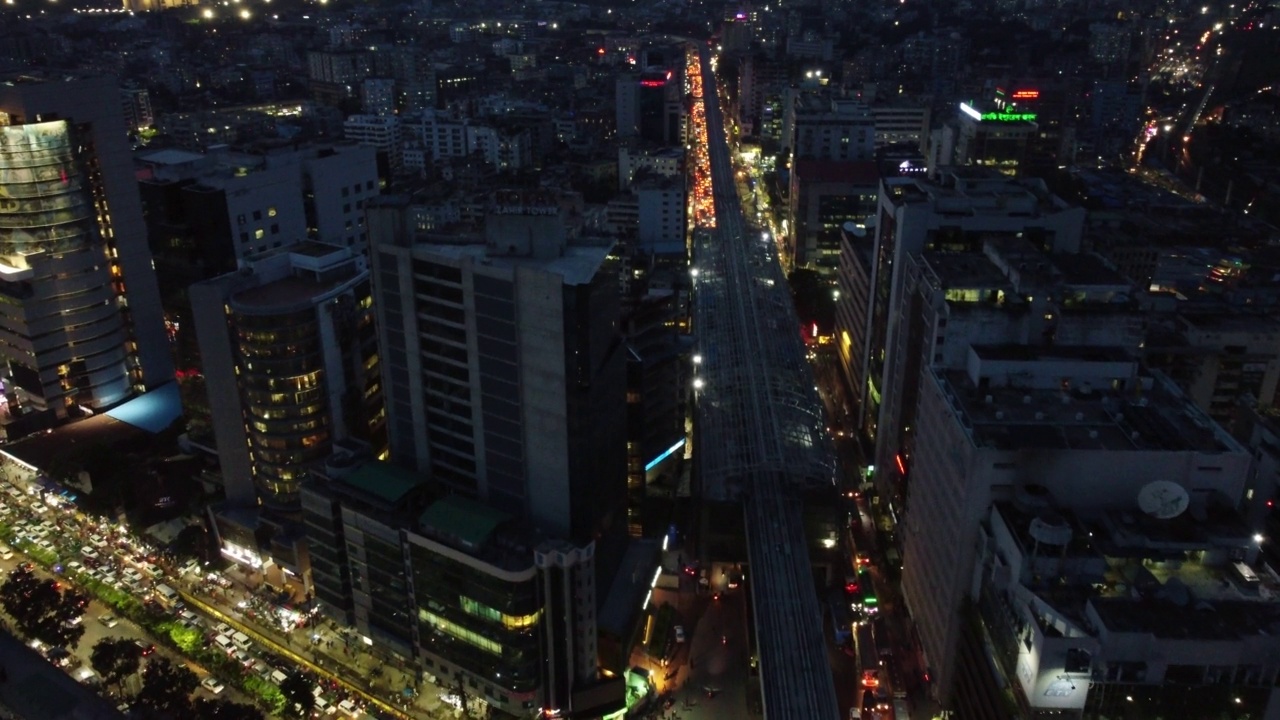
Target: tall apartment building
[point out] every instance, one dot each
(824, 196)
(207, 213)
(826, 128)
(136, 103)
(660, 202)
(337, 73)
(999, 138)
(380, 132)
(960, 212)
(509, 368)
(648, 106)
(81, 323)
(290, 359)
(900, 124)
(1216, 358)
(378, 96)
(657, 364)
(1088, 429)
(475, 598)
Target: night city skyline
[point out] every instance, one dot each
(785, 360)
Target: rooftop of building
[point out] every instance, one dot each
(305, 285)
(1232, 322)
(974, 191)
(1087, 269)
(964, 270)
(1180, 616)
(1079, 415)
(1146, 574)
(283, 294)
(481, 531)
(469, 521)
(171, 156)
(384, 481)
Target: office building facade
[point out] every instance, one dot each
(509, 368)
(474, 597)
(960, 211)
(290, 359)
(1087, 426)
(82, 324)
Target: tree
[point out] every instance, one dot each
(297, 696)
(115, 659)
(206, 709)
(166, 688)
(42, 609)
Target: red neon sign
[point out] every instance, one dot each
(1026, 94)
(652, 83)
(902, 467)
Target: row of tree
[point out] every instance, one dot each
(166, 687)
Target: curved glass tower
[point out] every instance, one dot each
(282, 384)
(61, 325)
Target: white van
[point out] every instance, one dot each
(225, 643)
(241, 641)
(167, 593)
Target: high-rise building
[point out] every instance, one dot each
(136, 103)
(1089, 430)
(961, 211)
(993, 136)
(378, 96)
(476, 598)
(900, 123)
(824, 196)
(1003, 292)
(380, 132)
(509, 369)
(81, 321)
(290, 360)
(827, 128)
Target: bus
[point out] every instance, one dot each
(868, 658)
(870, 604)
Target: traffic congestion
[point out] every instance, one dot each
(41, 525)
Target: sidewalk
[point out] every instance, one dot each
(330, 652)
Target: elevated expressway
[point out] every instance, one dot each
(760, 433)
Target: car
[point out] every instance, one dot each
(88, 552)
(144, 646)
(75, 566)
(244, 659)
(212, 685)
(97, 541)
(46, 544)
(679, 633)
(108, 620)
(223, 629)
(132, 574)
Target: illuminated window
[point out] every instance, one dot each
(271, 212)
(259, 234)
(461, 633)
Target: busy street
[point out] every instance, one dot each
(263, 638)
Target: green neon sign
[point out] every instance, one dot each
(1009, 116)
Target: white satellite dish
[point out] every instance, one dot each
(1163, 499)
